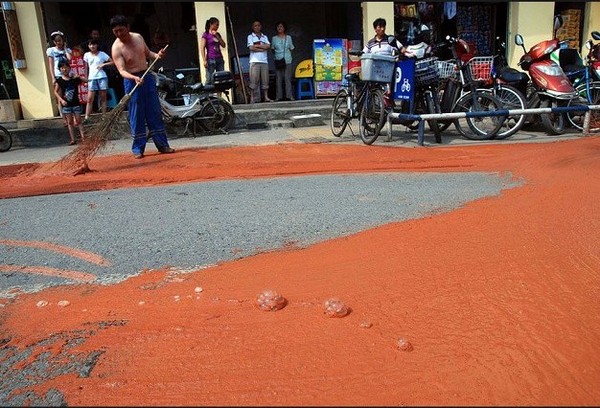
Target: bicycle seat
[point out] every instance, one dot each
(352, 77)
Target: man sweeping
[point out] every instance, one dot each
(131, 54)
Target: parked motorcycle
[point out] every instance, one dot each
(550, 85)
(201, 108)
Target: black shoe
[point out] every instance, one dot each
(138, 155)
(167, 150)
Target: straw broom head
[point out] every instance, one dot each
(77, 160)
(96, 138)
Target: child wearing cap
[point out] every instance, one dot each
(57, 53)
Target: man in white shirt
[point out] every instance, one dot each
(259, 46)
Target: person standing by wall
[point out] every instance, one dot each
(66, 90)
(210, 49)
(384, 44)
(94, 34)
(259, 45)
(130, 54)
(95, 61)
(282, 46)
(55, 55)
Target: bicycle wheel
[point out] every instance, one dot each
(5, 139)
(511, 98)
(340, 117)
(479, 127)
(433, 106)
(216, 115)
(553, 122)
(372, 116)
(593, 98)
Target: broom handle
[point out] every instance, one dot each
(145, 72)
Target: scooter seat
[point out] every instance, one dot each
(512, 75)
(573, 68)
(196, 86)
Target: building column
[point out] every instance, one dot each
(204, 11)
(373, 10)
(533, 20)
(591, 22)
(34, 81)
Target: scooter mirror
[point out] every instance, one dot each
(558, 22)
(519, 40)
(596, 35)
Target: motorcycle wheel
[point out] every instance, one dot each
(553, 122)
(533, 101)
(576, 118)
(216, 115)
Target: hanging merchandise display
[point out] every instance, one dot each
(476, 26)
(411, 20)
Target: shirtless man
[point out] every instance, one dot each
(131, 54)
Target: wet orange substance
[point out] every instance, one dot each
(498, 299)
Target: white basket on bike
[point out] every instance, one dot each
(426, 71)
(377, 68)
(480, 68)
(446, 69)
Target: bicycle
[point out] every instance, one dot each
(362, 100)
(426, 96)
(588, 87)
(5, 139)
(346, 105)
(462, 92)
(509, 86)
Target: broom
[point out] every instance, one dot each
(77, 159)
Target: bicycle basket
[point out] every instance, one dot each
(480, 68)
(426, 71)
(377, 68)
(446, 69)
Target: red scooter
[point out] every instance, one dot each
(550, 86)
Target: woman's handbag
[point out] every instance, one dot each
(280, 63)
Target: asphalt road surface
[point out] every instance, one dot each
(107, 236)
